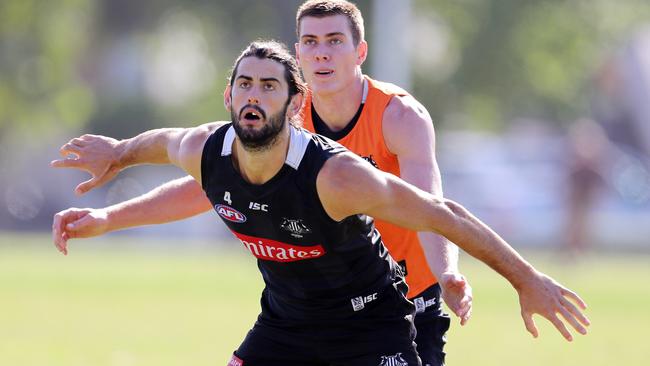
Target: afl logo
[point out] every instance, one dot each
(230, 214)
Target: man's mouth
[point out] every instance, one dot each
(251, 114)
(324, 72)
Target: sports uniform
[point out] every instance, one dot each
(333, 295)
(364, 136)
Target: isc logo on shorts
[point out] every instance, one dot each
(230, 214)
(359, 302)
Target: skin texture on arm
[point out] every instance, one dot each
(409, 134)
(104, 157)
(176, 200)
(347, 185)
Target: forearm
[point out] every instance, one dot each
(150, 147)
(173, 201)
(441, 254)
(481, 242)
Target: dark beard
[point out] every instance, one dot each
(263, 139)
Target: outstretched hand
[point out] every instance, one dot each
(95, 154)
(457, 294)
(546, 297)
(77, 223)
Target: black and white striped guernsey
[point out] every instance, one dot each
(314, 268)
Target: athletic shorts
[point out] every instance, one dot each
(381, 336)
(431, 324)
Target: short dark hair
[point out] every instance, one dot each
(326, 8)
(276, 51)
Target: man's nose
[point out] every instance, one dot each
(253, 99)
(322, 54)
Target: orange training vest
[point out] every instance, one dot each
(366, 139)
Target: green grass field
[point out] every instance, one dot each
(111, 303)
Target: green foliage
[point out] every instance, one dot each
(40, 45)
(527, 58)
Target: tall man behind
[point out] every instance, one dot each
(390, 129)
(378, 121)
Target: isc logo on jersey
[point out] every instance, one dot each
(230, 214)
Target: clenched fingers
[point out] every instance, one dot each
(60, 234)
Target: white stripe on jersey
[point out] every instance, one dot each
(299, 140)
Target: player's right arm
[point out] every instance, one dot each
(172, 201)
(104, 157)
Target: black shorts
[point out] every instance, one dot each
(382, 336)
(431, 324)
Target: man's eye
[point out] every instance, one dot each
(310, 42)
(335, 41)
(244, 84)
(269, 87)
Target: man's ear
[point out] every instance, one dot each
(295, 106)
(227, 99)
(297, 47)
(362, 52)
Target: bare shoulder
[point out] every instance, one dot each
(189, 148)
(204, 130)
(340, 170)
(407, 125)
(345, 185)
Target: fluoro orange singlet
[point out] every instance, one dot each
(366, 139)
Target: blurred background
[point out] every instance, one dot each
(542, 108)
(542, 113)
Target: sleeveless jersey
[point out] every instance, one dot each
(314, 268)
(366, 139)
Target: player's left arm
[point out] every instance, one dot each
(409, 134)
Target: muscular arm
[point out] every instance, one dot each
(347, 186)
(409, 134)
(104, 157)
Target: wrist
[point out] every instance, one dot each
(120, 160)
(522, 276)
(111, 216)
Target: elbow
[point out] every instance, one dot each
(455, 208)
(449, 216)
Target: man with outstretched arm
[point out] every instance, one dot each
(301, 204)
(376, 121)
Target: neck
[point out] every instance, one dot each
(260, 165)
(337, 109)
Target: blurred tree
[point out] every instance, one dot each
(40, 46)
(523, 58)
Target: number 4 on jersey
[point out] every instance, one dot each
(226, 197)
